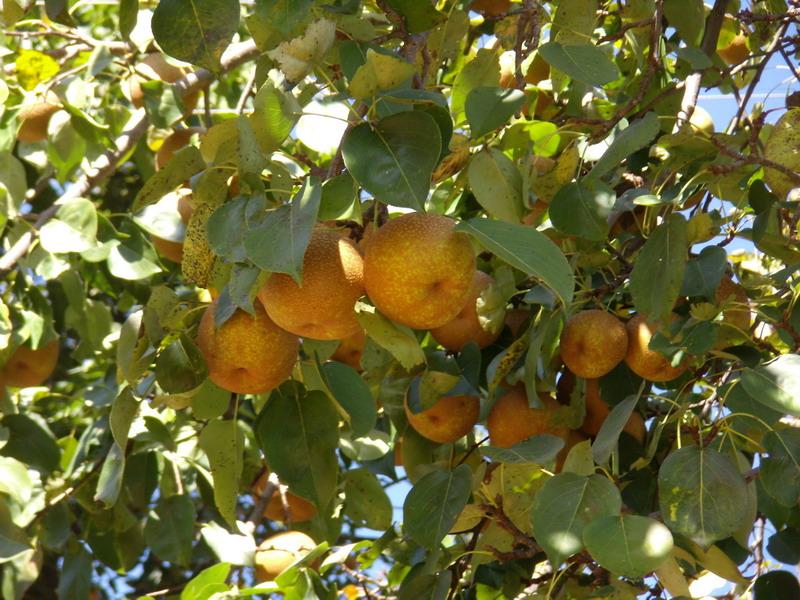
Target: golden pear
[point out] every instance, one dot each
(450, 419)
(735, 52)
(465, 326)
(247, 354)
(646, 363)
(351, 349)
(280, 551)
(593, 343)
(28, 368)
(172, 143)
(597, 410)
(300, 509)
(418, 271)
(512, 420)
(322, 307)
(735, 313)
(34, 119)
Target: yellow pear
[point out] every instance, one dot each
(27, 367)
(172, 143)
(418, 271)
(247, 354)
(465, 326)
(735, 52)
(351, 349)
(512, 420)
(646, 363)
(450, 419)
(300, 509)
(279, 551)
(322, 307)
(34, 119)
(593, 343)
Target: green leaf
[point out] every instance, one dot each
(399, 340)
(34, 67)
(15, 480)
(353, 394)
(394, 160)
(75, 574)
(132, 257)
(13, 540)
(109, 483)
(780, 471)
(366, 502)
(13, 180)
(582, 62)
(432, 506)
(574, 20)
(525, 249)
(180, 366)
(185, 163)
(123, 412)
(497, 185)
(488, 108)
(279, 243)
(74, 228)
(418, 16)
(223, 444)
(628, 545)
(379, 72)
(30, 441)
(250, 159)
(612, 427)
(582, 208)
(426, 586)
(274, 115)
(207, 582)
(299, 434)
(234, 548)
(128, 12)
(657, 274)
(776, 384)
(776, 584)
(483, 70)
(701, 494)
(196, 31)
(169, 530)
(565, 505)
(704, 273)
(688, 17)
(539, 449)
(634, 137)
(227, 227)
(340, 199)
(210, 401)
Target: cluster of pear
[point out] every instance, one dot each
(416, 269)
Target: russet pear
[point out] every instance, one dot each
(597, 410)
(280, 551)
(247, 354)
(322, 307)
(646, 363)
(351, 349)
(418, 271)
(168, 248)
(27, 367)
(34, 119)
(172, 143)
(155, 67)
(448, 420)
(593, 343)
(465, 326)
(512, 420)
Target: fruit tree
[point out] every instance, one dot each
(447, 299)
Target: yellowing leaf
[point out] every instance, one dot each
(34, 67)
(296, 57)
(380, 72)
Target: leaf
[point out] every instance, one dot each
(672, 578)
(582, 62)
(378, 73)
(565, 505)
(634, 137)
(185, 163)
(210, 401)
(128, 13)
(366, 502)
(227, 226)
(131, 257)
(74, 228)
(234, 548)
(34, 67)
(776, 584)
(612, 427)
(427, 586)
(123, 412)
(394, 160)
(483, 70)
(207, 582)
(15, 480)
(688, 17)
(657, 274)
(582, 208)
(196, 31)
(299, 434)
(574, 20)
(180, 367)
(432, 506)
(30, 441)
(701, 494)
(353, 394)
(279, 243)
(418, 16)
(250, 159)
(776, 384)
(75, 574)
(579, 459)
(780, 471)
(497, 185)
(274, 115)
(488, 108)
(525, 249)
(109, 483)
(399, 340)
(169, 530)
(704, 272)
(223, 444)
(540, 449)
(13, 181)
(628, 545)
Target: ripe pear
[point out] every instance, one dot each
(450, 419)
(280, 551)
(28, 368)
(172, 143)
(538, 70)
(593, 343)
(735, 52)
(247, 354)
(701, 121)
(34, 119)
(597, 410)
(300, 509)
(169, 248)
(154, 67)
(735, 313)
(418, 271)
(512, 420)
(490, 8)
(351, 349)
(783, 147)
(646, 363)
(465, 326)
(322, 307)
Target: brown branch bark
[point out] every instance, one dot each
(107, 163)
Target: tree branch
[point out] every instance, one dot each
(105, 165)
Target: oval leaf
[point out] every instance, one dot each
(497, 185)
(628, 545)
(582, 209)
(776, 384)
